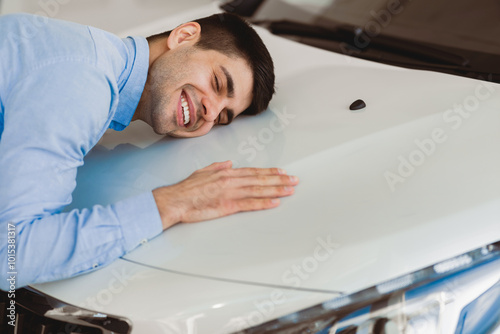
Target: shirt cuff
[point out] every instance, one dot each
(139, 219)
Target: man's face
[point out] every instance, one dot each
(189, 90)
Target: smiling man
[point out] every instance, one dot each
(205, 82)
(63, 85)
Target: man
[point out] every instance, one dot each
(64, 84)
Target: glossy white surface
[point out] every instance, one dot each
(159, 302)
(448, 204)
(341, 158)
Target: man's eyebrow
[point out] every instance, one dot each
(230, 82)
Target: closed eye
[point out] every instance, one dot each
(219, 120)
(225, 117)
(217, 86)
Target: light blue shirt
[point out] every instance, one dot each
(62, 85)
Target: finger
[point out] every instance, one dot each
(218, 166)
(254, 204)
(248, 171)
(265, 180)
(264, 192)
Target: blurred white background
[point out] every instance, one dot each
(116, 16)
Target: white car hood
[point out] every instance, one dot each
(406, 182)
(381, 216)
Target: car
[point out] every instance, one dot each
(394, 227)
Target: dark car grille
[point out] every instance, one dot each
(36, 313)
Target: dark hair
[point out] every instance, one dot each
(231, 35)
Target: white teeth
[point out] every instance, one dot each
(186, 116)
(185, 109)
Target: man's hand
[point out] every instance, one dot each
(219, 190)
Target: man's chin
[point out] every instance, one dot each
(162, 130)
(182, 135)
(185, 134)
(177, 133)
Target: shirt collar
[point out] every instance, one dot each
(132, 81)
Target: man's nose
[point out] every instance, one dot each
(211, 108)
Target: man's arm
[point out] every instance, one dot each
(45, 140)
(52, 119)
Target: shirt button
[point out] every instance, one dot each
(144, 241)
(95, 265)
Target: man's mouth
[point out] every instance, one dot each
(185, 109)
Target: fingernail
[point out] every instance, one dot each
(294, 178)
(275, 200)
(281, 171)
(288, 188)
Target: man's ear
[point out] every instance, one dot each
(185, 33)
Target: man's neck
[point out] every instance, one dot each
(157, 47)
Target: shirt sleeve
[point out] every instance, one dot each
(53, 117)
